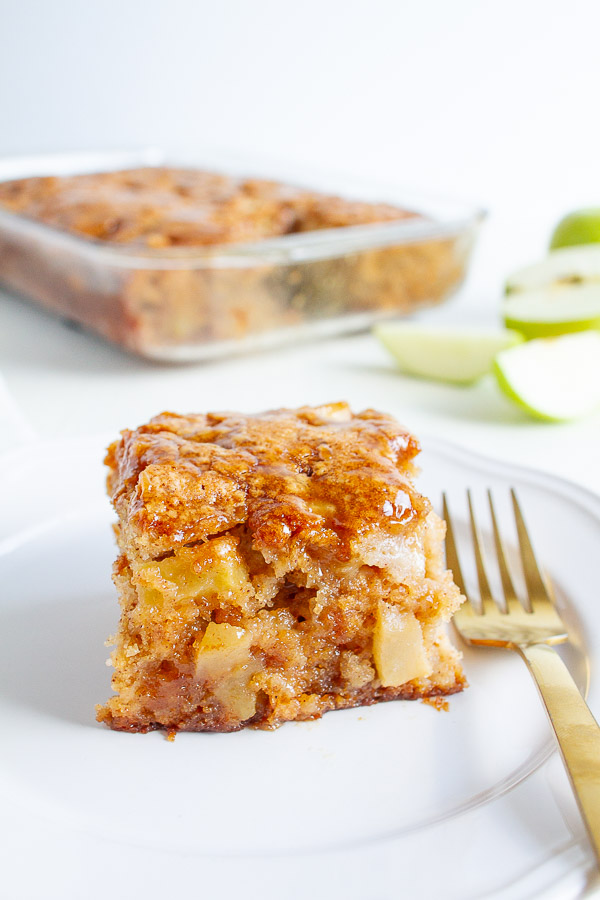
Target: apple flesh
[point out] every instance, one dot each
(554, 379)
(553, 311)
(457, 354)
(567, 267)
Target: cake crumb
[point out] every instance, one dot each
(171, 734)
(438, 703)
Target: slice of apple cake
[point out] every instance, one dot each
(273, 567)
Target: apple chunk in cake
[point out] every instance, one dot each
(273, 567)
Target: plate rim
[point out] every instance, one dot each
(574, 493)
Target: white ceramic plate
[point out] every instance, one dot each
(398, 800)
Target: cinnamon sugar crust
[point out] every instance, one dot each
(169, 207)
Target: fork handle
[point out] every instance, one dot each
(576, 729)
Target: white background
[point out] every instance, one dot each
(497, 101)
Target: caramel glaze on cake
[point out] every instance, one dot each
(273, 567)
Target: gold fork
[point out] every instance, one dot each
(531, 629)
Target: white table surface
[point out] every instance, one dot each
(68, 383)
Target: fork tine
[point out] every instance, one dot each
(452, 560)
(467, 611)
(534, 580)
(488, 604)
(513, 604)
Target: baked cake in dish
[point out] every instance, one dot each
(168, 207)
(179, 263)
(273, 567)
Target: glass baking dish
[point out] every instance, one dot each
(180, 304)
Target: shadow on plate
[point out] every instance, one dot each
(52, 657)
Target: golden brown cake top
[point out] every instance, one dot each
(164, 207)
(313, 478)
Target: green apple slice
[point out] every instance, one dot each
(457, 354)
(569, 266)
(555, 379)
(554, 311)
(579, 227)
